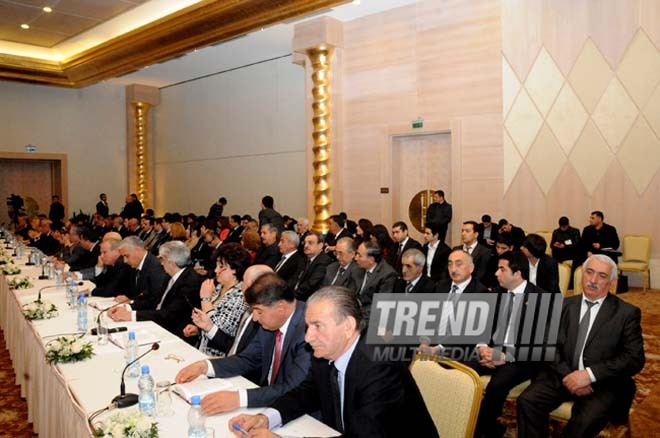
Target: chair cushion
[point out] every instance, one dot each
(633, 266)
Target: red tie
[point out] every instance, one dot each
(276, 356)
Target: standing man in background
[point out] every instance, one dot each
(439, 213)
(102, 207)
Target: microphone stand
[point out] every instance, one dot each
(124, 400)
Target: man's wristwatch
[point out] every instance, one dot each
(206, 299)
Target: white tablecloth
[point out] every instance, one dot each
(61, 397)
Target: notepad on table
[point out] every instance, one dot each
(201, 387)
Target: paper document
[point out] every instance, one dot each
(201, 387)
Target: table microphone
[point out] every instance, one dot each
(54, 286)
(127, 300)
(124, 400)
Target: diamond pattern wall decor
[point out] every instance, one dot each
(512, 160)
(590, 157)
(510, 86)
(567, 118)
(545, 159)
(615, 114)
(639, 71)
(640, 155)
(652, 111)
(544, 81)
(590, 75)
(523, 122)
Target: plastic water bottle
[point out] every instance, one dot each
(196, 419)
(82, 313)
(131, 355)
(146, 398)
(58, 277)
(73, 294)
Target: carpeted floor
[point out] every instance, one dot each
(13, 409)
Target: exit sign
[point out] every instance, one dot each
(418, 123)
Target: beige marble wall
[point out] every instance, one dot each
(581, 112)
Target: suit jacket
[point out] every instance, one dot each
(310, 278)
(493, 234)
(174, 313)
(381, 280)
(290, 270)
(473, 287)
(224, 342)
(268, 255)
(347, 280)
(151, 282)
(439, 262)
(481, 256)
(271, 216)
(102, 209)
(114, 280)
(331, 239)
(424, 286)
(294, 361)
(46, 244)
(614, 349)
(410, 244)
(88, 259)
(235, 234)
(547, 274)
(381, 399)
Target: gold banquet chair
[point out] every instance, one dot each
(564, 279)
(547, 236)
(452, 394)
(636, 255)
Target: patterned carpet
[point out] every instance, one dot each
(13, 409)
(645, 412)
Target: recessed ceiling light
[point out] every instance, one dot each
(25, 26)
(47, 9)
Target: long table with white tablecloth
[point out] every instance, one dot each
(60, 397)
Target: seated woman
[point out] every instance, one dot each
(251, 242)
(222, 306)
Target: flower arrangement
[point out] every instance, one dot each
(20, 283)
(68, 349)
(131, 424)
(11, 269)
(5, 258)
(39, 309)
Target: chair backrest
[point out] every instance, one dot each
(452, 394)
(637, 248)
(547, 235)
(564, 278)
(577, 282)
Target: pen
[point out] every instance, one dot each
(239, 429)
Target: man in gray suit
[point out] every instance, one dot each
(377, 276)
(278, 350)
(344, 270)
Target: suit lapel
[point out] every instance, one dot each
(605, 314)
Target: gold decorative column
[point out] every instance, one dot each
(139, 101)
(320, 60)
(316, 45)
(141, 113)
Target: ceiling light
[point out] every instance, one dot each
(47, 9)
(25, 26)
(356, 2)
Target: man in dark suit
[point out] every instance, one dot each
(487, 232)
(502, 358)
(565, 241)
(89, 241)
(356, 395)
(439, 213)
(598, 238)
(599, 349)
(336, 224)
(102, 207)
(133, 207)
(292, 261)
(133, 226)
(148, 279)
(413, 280)
(344, 271)
(480, 254)
(313, 272)
(436, 253)
(45, 241)
(268, 253)
(182, 291)
(112, 276)
(278, 350)
(543, 269)
(236, 231)
(403, 242)
(302, 228)
(56, 212)
(517, 233)
(376, 275)
(268, 214)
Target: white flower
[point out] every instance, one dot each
(143, 425)
(76, 347)
(55, 345)
(117, 431)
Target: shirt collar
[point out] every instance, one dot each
(176, 276)
(342, 361)
(520, 288)
(461, 286)
(139, 268)
(285, 326)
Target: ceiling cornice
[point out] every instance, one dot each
(199, 25)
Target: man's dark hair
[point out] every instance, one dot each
(268, 289)
(267, 201)
(246, 217)
(102, 194)
(338, 220)
(343, 215)
(440, 193)
(503, 222)
(563, 221)
(475, 225)
(159, 220)
(176, 217)
(222, 201)
(505, 238)
(373, 250)
(236, 218)
(320, 238)
(401, 225)
(89, 235)
(433, 226)
(517, 262)
(149, 219)
(599, 214)
(486, 218)
(535, 244)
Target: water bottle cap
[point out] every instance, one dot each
(195, 400)
(131, 336)
(145, 369)
(82, 295)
